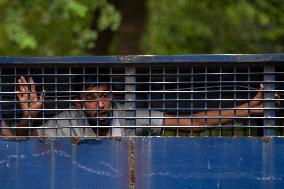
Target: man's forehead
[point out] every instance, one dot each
(98, 88)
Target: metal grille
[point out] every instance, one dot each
(209, 95)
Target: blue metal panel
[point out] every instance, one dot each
(33, 164)
(149, 59)
(159, 163)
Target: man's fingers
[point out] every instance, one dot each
(24, 88)
(277, 97)
(21, 87)
(20, 97)
(42, 95)
(32, 85)
(259, 94)
(261, 87)
(23, 79)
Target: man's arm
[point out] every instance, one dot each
(28, 102)
(242, 111)
(209, 121)
(6, 132)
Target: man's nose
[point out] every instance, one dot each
(101, 104)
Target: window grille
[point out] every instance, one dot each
(147, 96)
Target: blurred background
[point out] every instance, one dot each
(110, 27)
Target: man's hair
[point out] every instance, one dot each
(97, 77)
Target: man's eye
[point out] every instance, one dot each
(89, 98)
(104, 95)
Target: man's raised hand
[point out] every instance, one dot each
(28, 97)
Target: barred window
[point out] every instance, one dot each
(225, 95)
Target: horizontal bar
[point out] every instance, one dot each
(145, 91)
(145, 82)
(137, 74)
(149, 118)
(216, 58)
(151, 126)
(147, 109)
(151, 100)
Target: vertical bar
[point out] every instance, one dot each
(249, 97)
(72, 130)
(1, 99)
(234, 102)
(164, 97)
(43, 90)
(191, 99)
(150, 101)
(15, 99)
(111, 99)
(130, 97)
(56, 100)
(269, 77)
(177, 105)
(97, 107)
(206, 101)
(29, 87)
(77, 94)
(220, 102)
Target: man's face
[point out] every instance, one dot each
(97, 101)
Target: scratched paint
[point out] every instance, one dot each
(147, 162)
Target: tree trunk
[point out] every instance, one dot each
(129, 34)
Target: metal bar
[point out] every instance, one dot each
(164, 96)
(234, 102)
(56, 99)
(0, 99)
(150, 102)
(173, 59)
(130, 105)
(147, 117)
(136, 74)
(84, 89)
(118, 92)
(43, 90)
(206, 97)
(268, 94)
(111, 95)
(180, 82)
(191, 97)
(249, 102)
(177, 103)
(156, 109)
(15, 105)
(152, 126)
(220, 97)
(97, 117)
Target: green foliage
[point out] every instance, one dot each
(224, 26)
(53, 28)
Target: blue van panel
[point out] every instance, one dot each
(159, 163)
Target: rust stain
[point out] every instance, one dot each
(74, 140)
(266, 139)
(132, 164)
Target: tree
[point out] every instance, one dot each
(53, 28)
(225, 26)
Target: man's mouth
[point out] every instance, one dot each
(103, 114)
(102, 120)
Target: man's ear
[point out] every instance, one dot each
(78, 104)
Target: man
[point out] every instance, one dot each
(93, 107)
